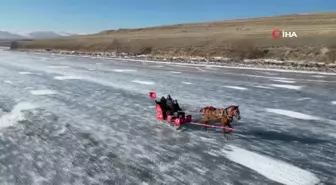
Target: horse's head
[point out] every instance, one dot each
(233, 111)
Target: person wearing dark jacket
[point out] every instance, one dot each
(177, 109)
(169, 106)
(176, 106)
(172, 106)
(169, 102)
(163, 105)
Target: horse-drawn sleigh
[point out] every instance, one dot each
(174, 115)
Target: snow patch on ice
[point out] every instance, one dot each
(318, 76)
(187, 83)
(281, 78)
(176, 72)
(212, 153)
(159, 66)
(8, 82)
(43, 92)
(295, 87)
(278, 78)
(143, 82)
(332, 135)
(200, 69)
(235, 87)
(66, 78)
(292, 114)
(58, 67)
(333, 102)
(210, 67)
(25, 73)
(273, 169)
(9, 119)
(269, 73)
(28, 88)
(263, 87)
(124, 70)
(300, 99)
(284, 81)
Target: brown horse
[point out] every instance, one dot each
(224, 116)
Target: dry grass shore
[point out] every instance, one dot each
(238, 39)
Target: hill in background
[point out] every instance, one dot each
(5, 35)
(244, 38)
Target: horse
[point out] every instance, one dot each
(220, 115)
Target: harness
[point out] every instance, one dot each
(227, 114)
(214, 110)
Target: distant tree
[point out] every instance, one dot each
(14, 45)
(116, 45)
(146, 50)
(331, 56)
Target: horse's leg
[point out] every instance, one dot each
(205, 119)
(225, 133)
(205, 128)
(230, 126)
(202, 121)
(223, 121)
(226, 136)
(206, 122)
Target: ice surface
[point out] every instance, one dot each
(292, 114)
(143, 82)
(187, 83)
(25, 73)
(270, 73)
(9, 119)
(284, 81)
(43, 92)
(235, 87)
(294, 87)
(102, 129)
(59, 67)
(301, 99)
(263, 87)
(273, 169)
(8, 82)
(66, 78)
(200, 69)
(175, 72)
(124, 70)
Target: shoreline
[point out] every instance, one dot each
(216, 62)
